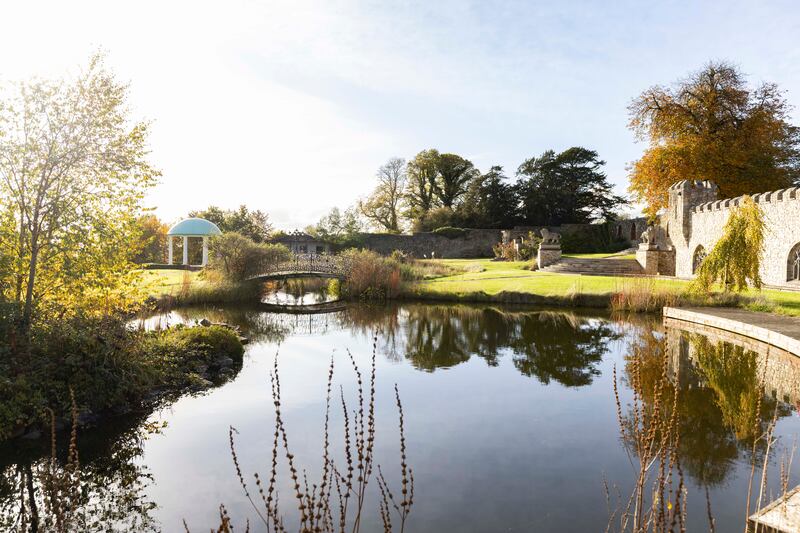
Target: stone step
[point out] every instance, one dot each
(599, 267)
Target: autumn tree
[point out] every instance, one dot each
(254, 225)
(382, 207)
(566, 187)
(152, 239)
(735, 260)
(73, 170)
(712, 126)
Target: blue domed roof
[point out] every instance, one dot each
(194, 227)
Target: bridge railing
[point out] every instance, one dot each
(320, 263)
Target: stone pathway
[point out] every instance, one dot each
(782, 515)
(777, 330)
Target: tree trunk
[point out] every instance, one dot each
(27, 310)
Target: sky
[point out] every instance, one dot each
(291, 106)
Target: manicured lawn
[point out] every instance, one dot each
(493, 277)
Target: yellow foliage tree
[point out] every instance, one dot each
(736, 258)
(73, 171)
(711, 126)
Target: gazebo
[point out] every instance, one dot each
(192, 227)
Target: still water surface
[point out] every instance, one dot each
(510, 418)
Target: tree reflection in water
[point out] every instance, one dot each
(562, 347)
(723, 407)
(550, 346)
(110, 492)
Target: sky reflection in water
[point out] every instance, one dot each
(510, 415)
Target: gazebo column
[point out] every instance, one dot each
(205, 251)
(169, 249)
(186, 250)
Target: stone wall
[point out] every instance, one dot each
(623, 230)
(695, 218)
(474, 243)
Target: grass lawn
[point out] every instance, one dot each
(167, 281)
(493, 277)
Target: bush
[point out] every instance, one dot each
(595, 238)
(236, 257)
(450, 232)
(506, 252)
(108, 366)
(370, 276)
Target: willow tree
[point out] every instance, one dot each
(712, 126)
(73, 171)
(736, 258)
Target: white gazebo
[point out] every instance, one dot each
(191, 227)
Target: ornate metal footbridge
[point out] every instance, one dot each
(303, 265)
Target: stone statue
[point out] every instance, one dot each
(550, 237)
(648, 235)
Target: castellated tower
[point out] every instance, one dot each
(683, 196)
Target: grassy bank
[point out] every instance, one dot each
(108, 368)
(482, 280)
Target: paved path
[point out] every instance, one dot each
(777, 330)
(782, 515)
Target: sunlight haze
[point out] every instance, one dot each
(290, 107)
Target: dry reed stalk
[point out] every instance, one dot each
(650, 432)
(336, 502)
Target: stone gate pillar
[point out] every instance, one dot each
(549, 253)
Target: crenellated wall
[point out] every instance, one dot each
(695, 218)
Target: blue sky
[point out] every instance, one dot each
(291, 106)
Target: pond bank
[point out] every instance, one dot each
(110, 369)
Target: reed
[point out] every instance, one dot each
(335, 500)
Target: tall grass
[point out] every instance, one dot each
(644, 295)
(371, 276)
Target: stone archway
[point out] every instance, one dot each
(793, 264)
(697, 258)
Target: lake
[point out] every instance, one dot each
(510, 418)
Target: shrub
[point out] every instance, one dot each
(450, 232)
(506, 252)
(236, 257)
(592, 239)
(370, 275)
(108, 366)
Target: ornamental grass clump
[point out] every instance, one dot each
(736, 258)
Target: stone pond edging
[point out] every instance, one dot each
(780, 331)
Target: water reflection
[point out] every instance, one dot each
(729, 388)
(525, 435)
(110, 493)
(300, 291)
